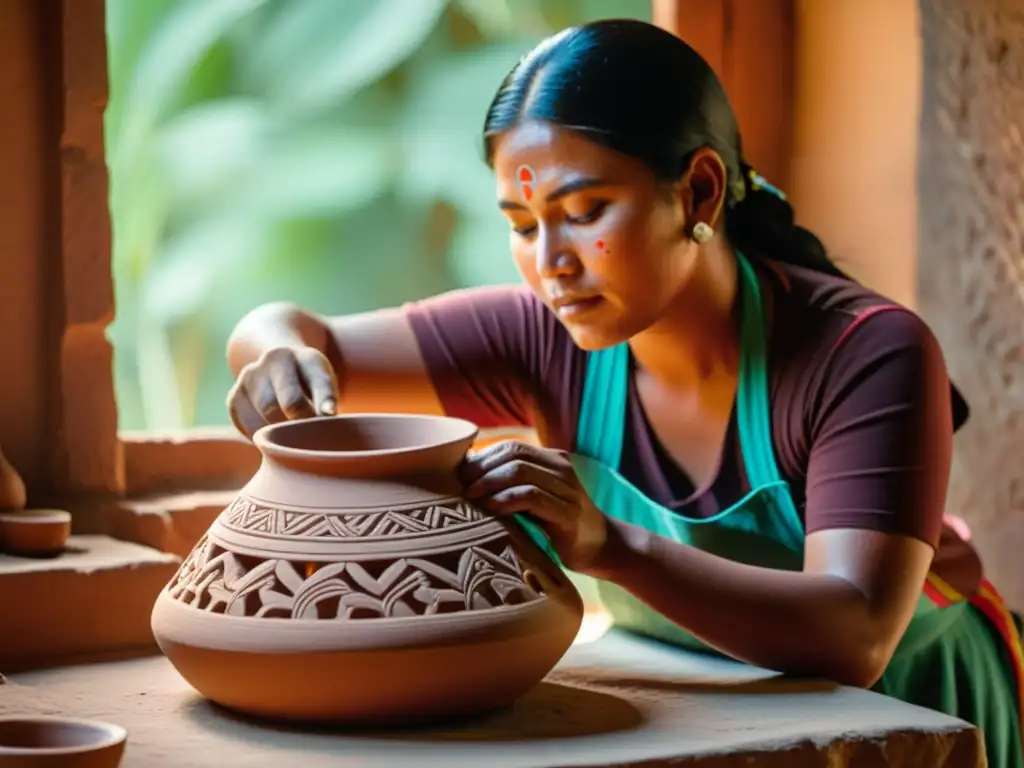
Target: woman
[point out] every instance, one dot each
(747, 448)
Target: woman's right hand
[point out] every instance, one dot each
(285, 383)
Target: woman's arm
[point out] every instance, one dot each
(816, 623)
(472, 353)
(371, 358)
(876, 486)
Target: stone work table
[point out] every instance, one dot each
(614, 702)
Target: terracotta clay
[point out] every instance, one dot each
(34, 532)
(12, 488)
(350, 582)
(59, 742)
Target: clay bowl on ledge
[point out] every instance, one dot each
(29, 741)
(34, 532)
(351, 583)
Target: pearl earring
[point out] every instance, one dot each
(702, 232)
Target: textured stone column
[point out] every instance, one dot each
(58, 417)
(91, 460)
(971, 257)
(749, 43)
(25, 206)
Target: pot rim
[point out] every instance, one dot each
(108, 735)
(264, 437)
(35, 517)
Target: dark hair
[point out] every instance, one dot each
(640, 90)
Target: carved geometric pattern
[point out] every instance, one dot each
(253, 518)
(464, 579)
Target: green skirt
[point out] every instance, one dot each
(951, 660)
(967, 673)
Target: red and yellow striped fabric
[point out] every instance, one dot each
(987, 600)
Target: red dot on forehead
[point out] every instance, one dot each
(525, 174)
(599, 244)
(527, 192)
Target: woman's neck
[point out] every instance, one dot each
(696, 341)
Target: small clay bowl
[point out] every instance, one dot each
(29, 741)
(34, 532)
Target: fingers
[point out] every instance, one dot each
(243, 413)
(283, 384)
(515, 477)
(260, 387)
(288, 392)
(321, 383)
(554, 511)
(252, 403)
(478, 464)
(521, 473)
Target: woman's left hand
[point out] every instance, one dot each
(512, 477)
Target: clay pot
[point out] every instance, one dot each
(349, 582)
(12, 487)
(34, 532)
(59, 742)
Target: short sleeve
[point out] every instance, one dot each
(881, 431)
(485, 350)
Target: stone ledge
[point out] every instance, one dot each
(91, 603)
(208, 458)
(615, 702)
(169, 522)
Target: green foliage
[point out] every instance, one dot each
(316, 151)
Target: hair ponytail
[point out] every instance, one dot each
(761, 222)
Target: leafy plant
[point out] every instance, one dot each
(317, 151)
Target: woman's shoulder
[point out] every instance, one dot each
(830, 320)
(511, 300)
(834, 301)
(837, 346)
(507, 321)
(864, 387)
(498, 356)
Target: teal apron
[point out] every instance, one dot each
(951, 658)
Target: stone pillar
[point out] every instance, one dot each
(749, 44)
(971, 258)
(89, 458)
(856, 113)
(58, 418)
(27, 208)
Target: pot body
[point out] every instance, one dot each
(357, 585)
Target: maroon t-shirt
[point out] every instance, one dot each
(859, 398)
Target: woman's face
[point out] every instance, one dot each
(595, 235)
